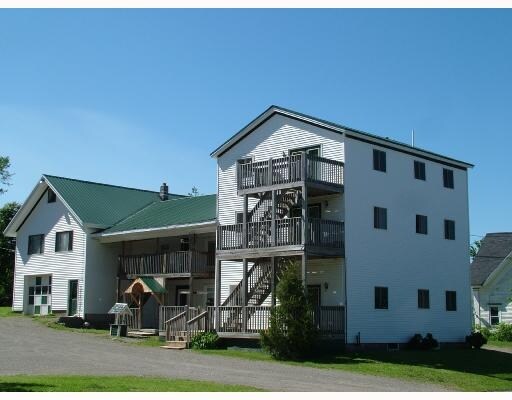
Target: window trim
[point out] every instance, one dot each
(41, 235)
(70, 241)
(498, 314)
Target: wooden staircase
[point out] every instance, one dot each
(180, 329)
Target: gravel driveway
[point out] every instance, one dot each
(27, 347)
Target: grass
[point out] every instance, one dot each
(59, 383)
(7, 312)
(459, 369)
(498, 343)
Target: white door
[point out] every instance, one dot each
(40, 295)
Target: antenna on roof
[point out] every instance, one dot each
(412, 138)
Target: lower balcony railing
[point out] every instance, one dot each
(178, 262)
(287, 232)
(231, 319)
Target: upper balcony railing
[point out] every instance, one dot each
(287, 170)
(286, 232)
(177, 262)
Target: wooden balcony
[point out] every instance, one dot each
(322, 175)
(172, 264)
(327, 235)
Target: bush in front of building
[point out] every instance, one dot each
(502, 333)
(418, 342)
(292, 333)
(476, 339)
(205, 341)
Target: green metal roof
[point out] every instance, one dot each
(159, 214)
(153, 285)
(99, 203)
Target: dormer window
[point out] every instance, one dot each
(52, 198)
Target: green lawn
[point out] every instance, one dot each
(460, 369)
(6, 312)
(24, 383)
(497, 343)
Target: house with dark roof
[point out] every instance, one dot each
(82, 245)
(491, 280)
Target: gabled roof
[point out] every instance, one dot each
(355, 133)
(494, 249)
(94, 204)
(176, 212)
(98, 203)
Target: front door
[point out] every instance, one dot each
(182, 295)
(72, 297)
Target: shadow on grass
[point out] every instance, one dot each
(480, 362)
(23, 387)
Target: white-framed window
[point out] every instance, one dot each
(35, 244)
(64, 241)
(494, 315)
(40, 295)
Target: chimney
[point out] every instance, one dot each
(164, 192)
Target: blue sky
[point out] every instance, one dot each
(137, 97)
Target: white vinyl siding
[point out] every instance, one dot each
(274, 138)
(398, 258)
(48, 219)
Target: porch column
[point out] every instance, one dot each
(244, 221)
(217, 292)
(244, 295)
(273, 219)
(273, 282)
(304, 272)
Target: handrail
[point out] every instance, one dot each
(176, 317)
(197, 317)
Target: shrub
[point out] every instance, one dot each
(418, 342)
(476, 339)
(486, 332)
(503, 332)
(204, 340)
(292, 333)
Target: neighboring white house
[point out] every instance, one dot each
(491, 280)
(379, 228)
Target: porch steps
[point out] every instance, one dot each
(175, 345)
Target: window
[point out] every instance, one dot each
(451, 300)
(494, 314)
(39, 294)
(381, 298)
(423, 298)
(64, 241)
(184, 244)
(449, 229)
(379, 160)
(35, 244)
(421, 224)
(419, 170)
(239, 217)
(448, 178)
(380, 218)
(51, 196)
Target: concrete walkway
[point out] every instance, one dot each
(27, 347)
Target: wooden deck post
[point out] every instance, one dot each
(273, 282)
(273, 219)
(244, 221)
(244, 295)
(217, 293)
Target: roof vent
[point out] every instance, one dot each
(164, 192)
